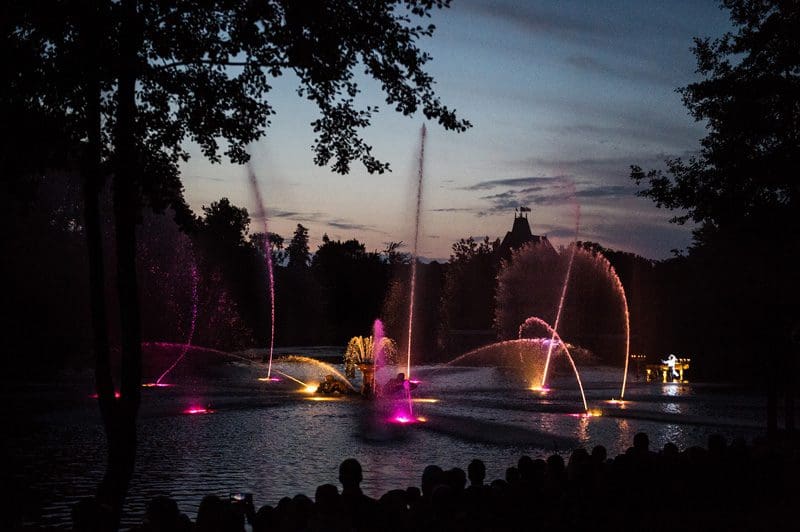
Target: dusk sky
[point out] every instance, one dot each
(563, 96)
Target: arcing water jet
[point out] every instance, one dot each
(261, 213)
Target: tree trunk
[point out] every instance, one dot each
(120, 425)
(92, 187)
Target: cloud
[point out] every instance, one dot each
(343, 224)
(530, 182)
(536, 19)
(320, 219)
(627, 72)
(452, 209)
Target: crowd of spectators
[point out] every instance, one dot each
(725, 486)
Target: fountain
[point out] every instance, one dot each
(261, 213)
(527, 287)
(532, 353)
(369, 354)
(325, 367)
(185, 348)
(415, 249)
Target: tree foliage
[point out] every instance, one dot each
(746, 170)
(743, 192)
(125, 86)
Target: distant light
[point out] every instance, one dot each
(95, 396)
(425, 400)
(269, 379)
(157, 385)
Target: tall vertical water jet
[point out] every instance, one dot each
(420, 174)
(378, 352)
(262, 213)
(192, 323)
(563, 295)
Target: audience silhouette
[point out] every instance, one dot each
(721, 487)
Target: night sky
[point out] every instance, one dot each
(563, 96)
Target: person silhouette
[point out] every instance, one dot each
(360, 511)
(670, 362)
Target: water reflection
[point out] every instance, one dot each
(274, 442)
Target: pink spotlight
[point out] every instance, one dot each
(95, 396)
(196, 410)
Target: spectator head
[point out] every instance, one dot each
(350, 474)
(162, 514)
(432, 476)
(641, 442)
(456, 478)
(599, 454)
(476, 471)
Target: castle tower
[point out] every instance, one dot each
(520, 235)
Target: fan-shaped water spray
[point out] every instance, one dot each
(529, 343)
(321, 365)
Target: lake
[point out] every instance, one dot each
(273, 439)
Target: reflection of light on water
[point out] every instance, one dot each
(625, 430)
(195, 410)
(583, 428)
(673, 433)
(322, 398)
(672, 408)
(671, 389)
(425, 400)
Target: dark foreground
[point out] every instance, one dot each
(725, 486)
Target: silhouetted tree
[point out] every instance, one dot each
(133, 80)
(467, 304)
(742, 190)
(297, 251)
(353, 283)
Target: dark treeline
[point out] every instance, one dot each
(211, 268)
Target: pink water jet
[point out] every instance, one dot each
(415, 248)
(262, 213)
(192, 324)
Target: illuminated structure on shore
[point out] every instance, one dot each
(669, 370)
